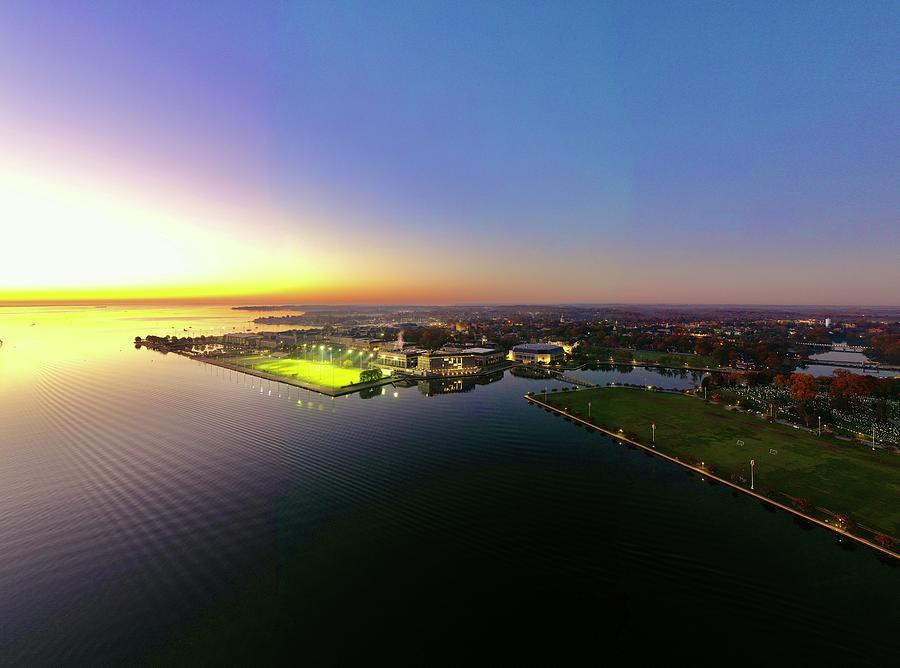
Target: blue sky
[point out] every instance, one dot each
(582, 141)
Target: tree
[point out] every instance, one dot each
(886, 347)
(430, 338)
(803, 505)
(773, 361)
(370, 375)
(803, 387)
(846, 386)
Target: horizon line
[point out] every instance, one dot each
(273, 304)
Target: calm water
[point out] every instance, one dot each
(845, 357)
(155, 509)
(604, 374)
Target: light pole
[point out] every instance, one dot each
(820, 425)
(873, 438)
(752, 464)
(589, 410)
(653, 428)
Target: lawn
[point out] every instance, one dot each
(317, 373)
(842, 477)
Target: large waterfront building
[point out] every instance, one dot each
(398, 359)
(442, 363)
(483, 357)
(538, 353)
(452, 361)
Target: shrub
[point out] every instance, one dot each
(884, 540)
(803, 505)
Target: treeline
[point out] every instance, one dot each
(885, 347)
(772, 351)
(841, 386)
(429, 338)
(172, 342)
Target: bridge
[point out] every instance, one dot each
(572, 380)
(838, 347)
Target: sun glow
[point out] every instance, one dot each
(66, 237)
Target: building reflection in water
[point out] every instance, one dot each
(439, 386)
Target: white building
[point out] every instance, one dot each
(537, 353)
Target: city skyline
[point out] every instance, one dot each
(359, 153)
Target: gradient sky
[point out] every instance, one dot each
(451, 152)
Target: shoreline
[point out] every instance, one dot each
(658, 365)
(711, 476)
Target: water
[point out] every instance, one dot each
(156, 509)
(826, 368)
(622, 374)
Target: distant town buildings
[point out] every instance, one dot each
(565, 345)
(356, 342)
(242, 339)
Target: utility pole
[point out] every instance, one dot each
(752, 464)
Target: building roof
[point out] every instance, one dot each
(537, 348)
(479, 351)
(403, 351)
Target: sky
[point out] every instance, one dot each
(398, 152)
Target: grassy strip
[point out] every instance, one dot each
(836, 477)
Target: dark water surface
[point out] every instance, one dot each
(156, 509)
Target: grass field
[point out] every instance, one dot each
(831, 474)
(317, 373)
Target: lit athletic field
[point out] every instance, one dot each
(317, 373)
(840, 476)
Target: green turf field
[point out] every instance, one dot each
(840, 476)
(317, 373)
